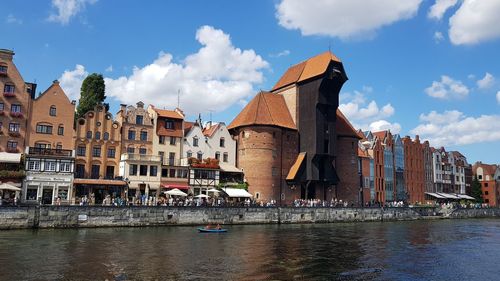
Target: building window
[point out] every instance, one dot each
(161, 154)
(111, 152)
(44, 129)
(62, 192)
(80, 171)
(80, 151)
(130, 150)
(169, 124)
(65, 167)
(3, 69)
(199, 156)
(173, 140)
(60, 130)
(94, 173)
(8, 88)
(50, 166)
(171, 173)
(31, 193)
(189, 154)
(171, 158)
(225, 157)
(486, 193)
(195, 141)
(110, 172)
(96, 151)
(34, 165)
(164, 173)
(131, 134)
(485, 184)
(153, 171)
(162, 139)
(11, 144)
(14, 127)
(132, 171)
(142, 150)
(2, 106)
(143, 170)
(274, 171)
(139, 119)
(222, 142)
(106, 136)
(480, 177)
(97, 135)
(98, 124)
(217, 155)
(15, 108)
(144, 135)
(89, 134)
(52, 111)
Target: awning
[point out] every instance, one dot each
(464, 196)
(6, 157)
(236, 192)
(448, 195)
(229, 168)
(171, 185)
(99, 182)
(435, 195)
(296, 166)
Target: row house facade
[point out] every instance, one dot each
(414, 169)
(489, 177)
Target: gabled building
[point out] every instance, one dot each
(414, 169)
(399, 169)
(387, 143)
(489, 177)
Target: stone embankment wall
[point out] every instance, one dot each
(103, 216)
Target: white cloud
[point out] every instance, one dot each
(280, 54)
(109, 68)
(487, 81)
(214, 78)
(440, 7)
(475, 21)
(344, 19)
(447, 88)
(367, 116)
(498, 97)
(438, 36)
(66, 9)
(71, 81)
(455, 128)
(12, 19)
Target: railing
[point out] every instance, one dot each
(9, 94)
(16, 114)
(175, 162)
(50, 151)
(14, 134)
(141, 157)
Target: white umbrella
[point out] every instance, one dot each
(175, 191)
(213, 190)
(201, 196)
(6, 186)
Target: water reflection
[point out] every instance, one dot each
(422, 250)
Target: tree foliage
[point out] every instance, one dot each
(92, 93)
(477, 192)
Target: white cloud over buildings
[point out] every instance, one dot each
(447, 88)
(343, 19)
(71, 81)
(66, 9)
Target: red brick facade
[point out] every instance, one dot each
(414, 170)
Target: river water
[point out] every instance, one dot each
(418, 250)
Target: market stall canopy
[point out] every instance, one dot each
(213, 190)
(201, 196)
(175, 192)
(6, 157)
(8, 186)
(226, 167)
(174, 185)
(442, 195)
(237, 192)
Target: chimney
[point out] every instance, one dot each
(55, 82)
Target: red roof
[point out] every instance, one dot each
(169, 114)
(344, 127)
(209, 131)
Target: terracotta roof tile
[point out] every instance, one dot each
(381, 135)
(209, 131)
(307, 69)
(344, 127)
(292, 174)
(264, 109)
(168, 114)
(187, 126)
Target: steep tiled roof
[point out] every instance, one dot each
(381, 135)
(344, 127)
(168, 114)
(310, 68)
(187, 126)
(264, 109)
(209, 131)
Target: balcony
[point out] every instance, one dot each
(140, 157)
(32, 151)
(14, 134)
(12, 150)
(175, 162)
(16, 114)
(9, 94)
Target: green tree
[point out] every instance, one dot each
(92, 93)
(477, 192)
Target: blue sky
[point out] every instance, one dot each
(416, 67)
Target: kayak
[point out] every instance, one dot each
(212, 230)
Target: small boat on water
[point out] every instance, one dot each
(211, 230)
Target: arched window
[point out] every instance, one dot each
(89, 134)
(53, 110)
(217, 155)
(97, 135)
(225, 157)
(131, 134)
(200, 155)
(189, 154)
(106, 136)
(60, 130)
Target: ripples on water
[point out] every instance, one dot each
(421, 250)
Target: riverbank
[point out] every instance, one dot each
(109, 216)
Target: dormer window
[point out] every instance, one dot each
(52, 111)
(169, 124)
(3, 69)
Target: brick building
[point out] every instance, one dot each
(15, 103)
(414, 169)
(51, 120)
(489, 177)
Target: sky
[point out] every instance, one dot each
(428, 68)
